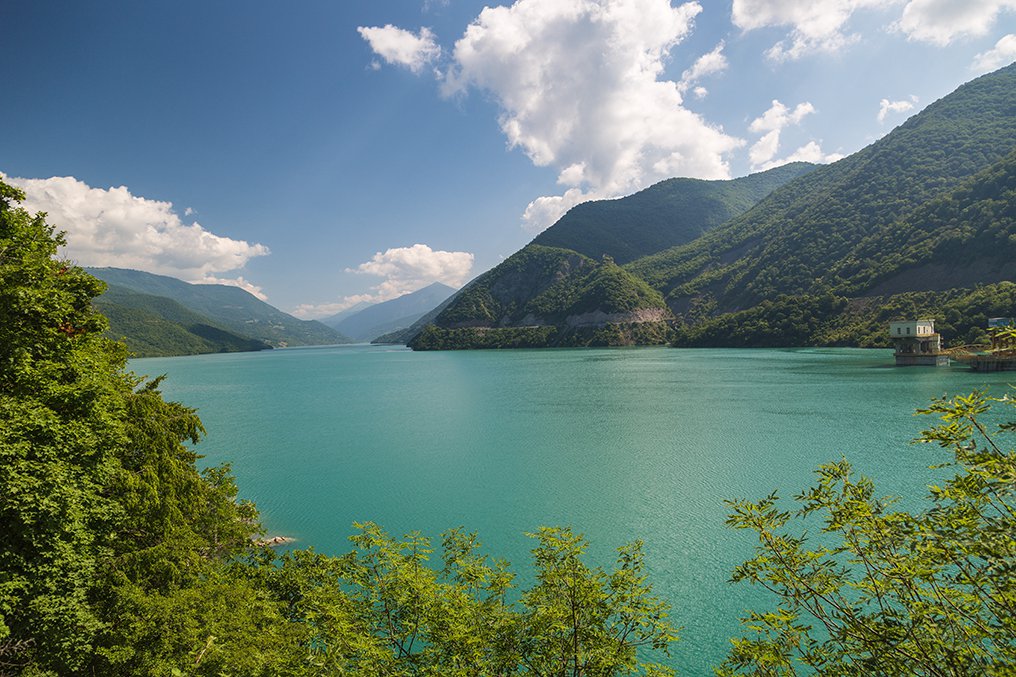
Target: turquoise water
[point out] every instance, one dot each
(617, 443)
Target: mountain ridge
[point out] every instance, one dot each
(229, 308)
(895, 226)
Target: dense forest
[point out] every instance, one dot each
(120, 557)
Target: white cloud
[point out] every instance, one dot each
(822, 26)
(815, 26)
(404, 269)
(544, 211)
(779, 116)
(1002, 54)
(578, 84)
(770, 124)
(765, 149)
(112, 227)
(942, 21)
(707, 64)
(240, 282)
(902, 106)
(401, 47)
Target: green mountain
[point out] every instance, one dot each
(568, 278)
(664, 215)
(920, 222)
(388, 316)
(156, 326)
(230, 308)
(926, 208)
(404, 336)
(549, 296)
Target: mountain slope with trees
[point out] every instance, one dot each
(567, 281)
(156, 326)
(919, 220)
(664, 215)
(928, 207)
(230, 308)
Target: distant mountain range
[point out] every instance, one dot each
(921, 222)
(159, 315)
(370, 322)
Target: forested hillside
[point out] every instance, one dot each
(156, 326)
(928, 207)
(821, 260)
(567, 282)
(666, 214)
(230, 308)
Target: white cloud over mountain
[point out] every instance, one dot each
(403, 269)
(579, 85)
(886, 106)
(771, 124)
(1002, 54)
(112, 227)
(239, 281)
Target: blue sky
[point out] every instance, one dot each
(327, 152)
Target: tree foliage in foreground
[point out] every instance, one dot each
(118, 557)
(887, 592)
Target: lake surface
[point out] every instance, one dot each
(617, 443)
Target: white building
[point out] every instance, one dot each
(905, 328)
(917, 344)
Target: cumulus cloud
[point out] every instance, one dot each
(763, 153)
(400, 47)
(942, 21)
(1002, 54)
(770, 124)
(240, 282)
(779, 116)
(112, 227)
(886, 106)
(579, 86)
(403, 269)
(822, 26)
(815, 26)
(707, 64)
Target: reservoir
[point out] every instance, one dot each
(617, 443)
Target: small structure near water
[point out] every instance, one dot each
(917, 344)
(1001, 354)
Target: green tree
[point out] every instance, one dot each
(103, 513)
(381, 609)
(887, 592)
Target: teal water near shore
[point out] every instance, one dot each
(617, 443)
